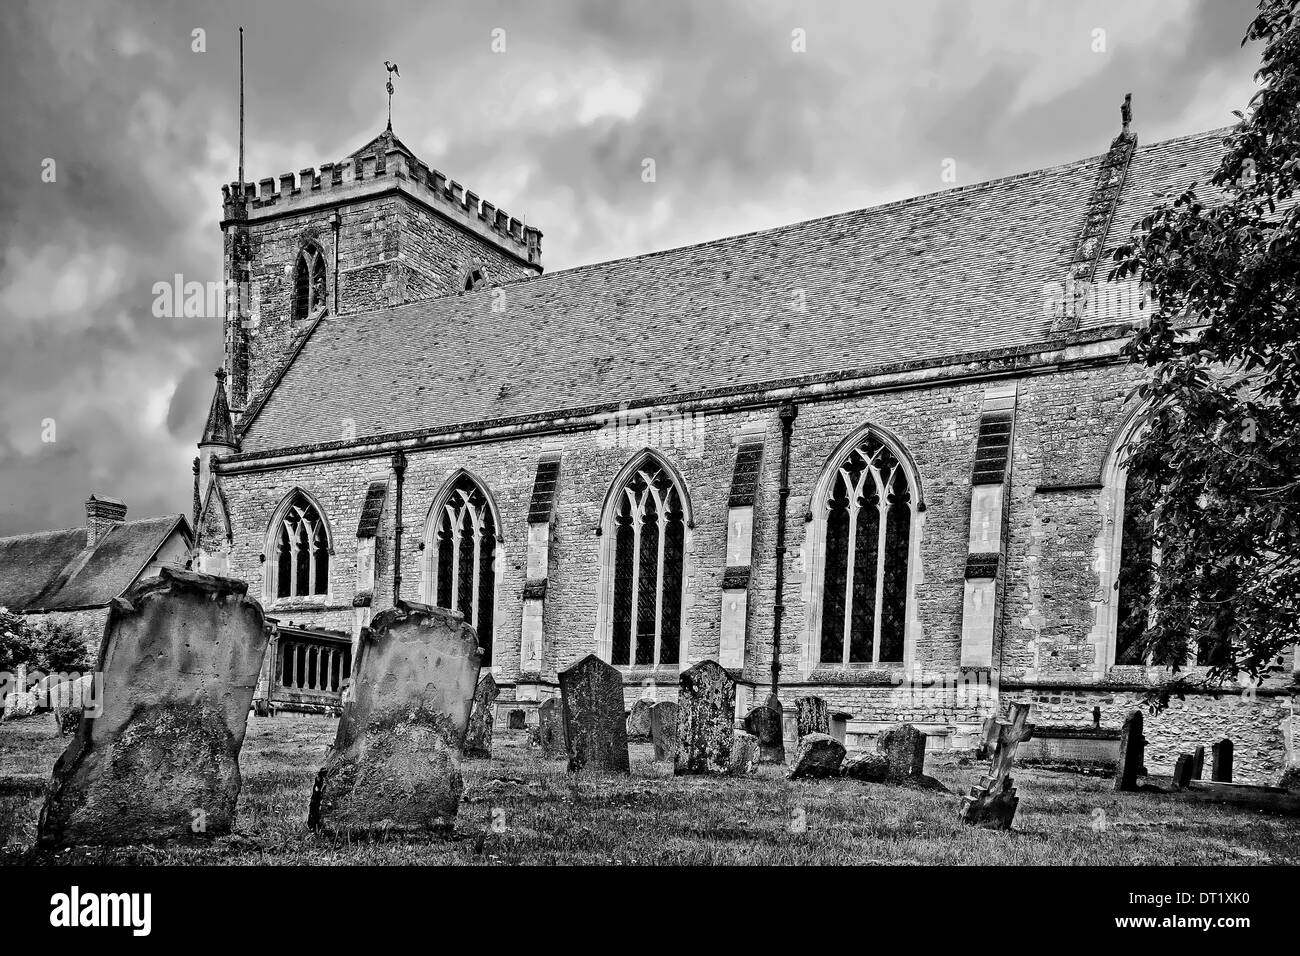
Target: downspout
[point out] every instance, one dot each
(787, 414)
(399, 469)
(335, 222)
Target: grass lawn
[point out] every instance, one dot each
(550, 817)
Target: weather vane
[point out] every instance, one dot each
(392, 72)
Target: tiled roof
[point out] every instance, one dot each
(53, 570)
(939, 275)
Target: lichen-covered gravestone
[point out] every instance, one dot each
(744, 754)
(1132, 746)
(478, 737)
(160, 761)
(813, 716)
(820, 756)
(395, 763)
(867, 766)
(765, 723)
(595, 724)
(549, 734)
(706, 720)
(904, 747)
(663, 730)
(638, 721)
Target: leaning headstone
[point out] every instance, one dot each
(179, 664)
(1132, 748)
(766, 723)
(904, 747)
(866, 766)
(69, 700)
(549, 733)
(813, 716)
(1198, 763)
(706, 720)
(992, 802)
(516, 720)
(395, 763)
(595, 724)
(478, 737)
(1221, 758)
(1183, 771)
(663, 730)
(744, 754)
(638, 721)
(820, 756)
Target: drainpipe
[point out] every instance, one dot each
(399, 469)
(787, 414)
(335, 222)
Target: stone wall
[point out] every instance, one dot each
(1046, 628)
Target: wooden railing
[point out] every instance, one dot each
(311, 667)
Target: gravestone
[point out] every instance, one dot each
(663, 730)
(1221, 761)
(904, 747)
(864, 765)
(478, 736)
(595, 724)
(812, 716)
(1132, 750)
(988, 737)
(840, 725)
(820, 756)
(766, 723)
(744, 754)
(992, 802)
(706, 719)
(1183, 771)
(179, 664)
(638, 721)
(517, 720)
(70, 699)
(395, 763)
(549, 734)
(1198, 763)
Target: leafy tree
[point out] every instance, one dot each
(60, 649)
(15, 641)
(1219, 456)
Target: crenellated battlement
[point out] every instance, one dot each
(364, 175)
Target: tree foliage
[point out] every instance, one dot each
(1218, 454)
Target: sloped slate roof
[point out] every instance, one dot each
(52, 570)
(939, 275)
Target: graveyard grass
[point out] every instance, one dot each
(550, 817)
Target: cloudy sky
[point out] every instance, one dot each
(746, 132)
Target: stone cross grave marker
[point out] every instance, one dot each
(595, 724)
(395, 763)
(992, 803)
(180, 659)
(706, 720)
(1132, 750)
(478, 737)
(663, 730)
(812, 716)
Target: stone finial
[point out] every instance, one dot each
(1126, 111)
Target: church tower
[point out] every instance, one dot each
(377, 229)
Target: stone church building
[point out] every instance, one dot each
(884, 447)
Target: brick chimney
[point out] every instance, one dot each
(102, 515)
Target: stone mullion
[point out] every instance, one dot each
(476, 524)
(455, 557)
(638, 517)
(659, 574)
(882, 503)
(850, 560)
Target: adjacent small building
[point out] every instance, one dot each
(71, 576)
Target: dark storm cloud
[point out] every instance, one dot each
(744, 131)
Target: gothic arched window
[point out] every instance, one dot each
(462, 554)
(301, 561)
(865, 550)
(649, 535)
(309, 280)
